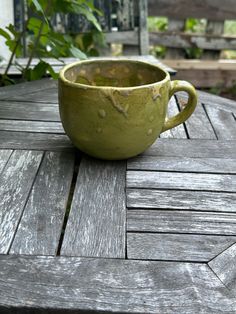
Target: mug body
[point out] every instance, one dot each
(113, 109)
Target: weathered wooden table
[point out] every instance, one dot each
(154, 234)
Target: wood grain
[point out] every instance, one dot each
(179, 131)
(31, 126)
(143, 27)
(49, 96)
(4, 156)
(175, 25)
(181, 181)
(96, 225)
(223, 123)
(40, 284)
(214, 28)
(16, 110)
(34, 141)
(217, 102)
(192, 148)
(179, 39)
(198, 125)
(15, 183)
(189, 200)
(208, 9)
(178, 221)
(40, 227)
(176, 247)
(26, 87)
(185, 164)
(224, 267)
(206, 78)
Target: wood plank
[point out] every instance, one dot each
(181, 181)
(4, 157)
(49, 96)
(213, 28)
(34, 141)
(173, 221)
(207, 78)
(181, 40)
(124, 37)
(192, 148)
(174, 26)
(40, 227)
(224, 267)
(15, 183)
(176, 247)
(198, 125)
(31, 126)
(29, 111)
(41, 283)
(195, 64)
(27, 87)
(185, 164)
(214, 100)
(188, 200)
(223, 123)
(179, 131)
(208, 9)
(96, 225)
(143, 28)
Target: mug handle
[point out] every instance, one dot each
(177, 86)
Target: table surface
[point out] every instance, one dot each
(154, 234)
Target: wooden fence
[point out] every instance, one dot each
(202, 73)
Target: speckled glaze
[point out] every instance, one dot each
(115, 109)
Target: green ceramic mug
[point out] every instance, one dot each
(116, 109)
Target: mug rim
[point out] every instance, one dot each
(85, 86)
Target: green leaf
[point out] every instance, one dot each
(38, 8)
(5, 34)
(35, 24)
(88, 14)
(53, 74)
(37, 72)
(13, 30)
(77, 53)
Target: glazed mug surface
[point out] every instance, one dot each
(116, 109)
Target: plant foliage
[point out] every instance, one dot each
(45, 42)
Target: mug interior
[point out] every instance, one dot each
(114, 73)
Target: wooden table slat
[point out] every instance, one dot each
(31, 126)
(179, 131)
(223, 123)
(178, 221)
(49, 95)
(185, 164)
(97, 220)
(15, 183)
(110, 285)
(4, 157)
(11, 91)
(198, 125)
(192, 148)
(182, 181)
(29, 111)
(224, 267)
(212, 100)
(40, 227)
(176, 247)
(188, 200)
(35, 141)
